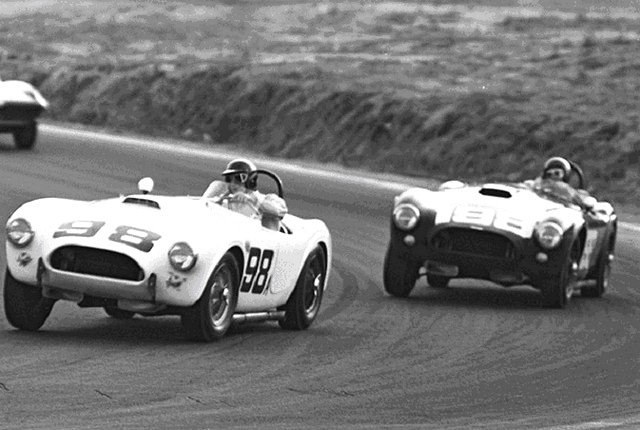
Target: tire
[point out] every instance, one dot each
(24, 305)
(119, 314)
(602, 275)
(210, 318)
(556, 292)
(437, 281)
(25, 138)
(400, 275)
(304, 303)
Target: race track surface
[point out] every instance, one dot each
(470, 356)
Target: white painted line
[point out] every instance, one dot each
(187, 148)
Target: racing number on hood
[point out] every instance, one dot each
(135, 237)
(256, 273)
(138, 238)
(78, 228)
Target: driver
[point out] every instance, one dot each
(555, 180)
(240, 194)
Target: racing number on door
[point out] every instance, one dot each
(257, 272)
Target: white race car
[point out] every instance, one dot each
(155, 255)
(20, 105)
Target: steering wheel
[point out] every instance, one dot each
(577, 172)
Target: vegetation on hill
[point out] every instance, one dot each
(427, 89)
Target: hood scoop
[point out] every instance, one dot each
(142, 201)
(496, 190)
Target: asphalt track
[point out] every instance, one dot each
(470, 356)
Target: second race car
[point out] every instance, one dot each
(508, 233)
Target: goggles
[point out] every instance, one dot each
(238, 178)
(556, 173)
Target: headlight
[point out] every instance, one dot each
(182, 257)
(549, 234)
(406, 216)
(19, 232)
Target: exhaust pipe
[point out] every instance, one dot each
(258, 316)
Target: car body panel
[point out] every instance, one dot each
(141, 229)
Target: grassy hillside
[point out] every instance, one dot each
(474, 90)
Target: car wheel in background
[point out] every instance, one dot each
(25, 138)
(212, 315)
(400, 274)
(304, 303)
(556, 292)
(24, 305)
(603, 273)
(437, 281)
(119, 314)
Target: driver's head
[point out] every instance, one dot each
(557, 169)
(241, 173)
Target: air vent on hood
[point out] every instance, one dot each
(141, 201)
(495, 192)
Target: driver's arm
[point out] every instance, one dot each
(215, 190)
(272, 205)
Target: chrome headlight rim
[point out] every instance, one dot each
(181, 257)
(19, 232)
(549, 234)
(406, 216)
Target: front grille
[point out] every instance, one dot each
(96, 262)
(476, 242)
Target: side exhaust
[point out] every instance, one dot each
(258, 316)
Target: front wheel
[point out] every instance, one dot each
(25, 138)
(400, 275)
(304, 303)
(24, 305)
(557, 292)
(212, 315)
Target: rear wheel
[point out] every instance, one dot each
(212, 315)
(304, 303)
(24, 305)
(25, 138)
(119, 314)
(400, 274)
(437, 281)
(557, 292)
(602, 275)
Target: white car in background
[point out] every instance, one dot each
(155, 255)
(20, 105)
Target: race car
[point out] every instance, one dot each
(149, 254)
(507, 233)
(20, 105)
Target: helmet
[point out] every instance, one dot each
(245, 169)
(557, 163)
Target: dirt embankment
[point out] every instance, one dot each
(481, 135)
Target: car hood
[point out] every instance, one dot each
(512, 208)
(173, 218)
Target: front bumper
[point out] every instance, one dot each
(457, 250)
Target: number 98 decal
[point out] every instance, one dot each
(256, 273)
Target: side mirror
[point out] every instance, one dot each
(145, 185)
